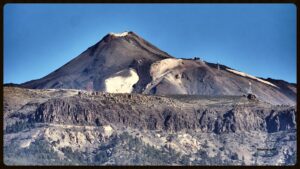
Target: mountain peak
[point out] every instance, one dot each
(122, 34)
(117, 35)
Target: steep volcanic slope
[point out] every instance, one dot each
(114, 54)
(52, 127)
(196, 77)
(125, 63)
(289, 89)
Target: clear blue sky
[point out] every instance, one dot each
(259, 39)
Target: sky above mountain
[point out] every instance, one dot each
(258, 39)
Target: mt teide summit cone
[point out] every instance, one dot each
(118, 63)
(125, 63)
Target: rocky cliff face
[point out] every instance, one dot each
(102, 110)
(101, 128)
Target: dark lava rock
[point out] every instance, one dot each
(252, 97)
(222, 120)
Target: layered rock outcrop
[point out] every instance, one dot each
(102, 110)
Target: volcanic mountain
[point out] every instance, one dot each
(151, 109)
(116, 55)
(126, 63)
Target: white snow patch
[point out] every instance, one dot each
(119, 34)
(252, 77)
(121, 84)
